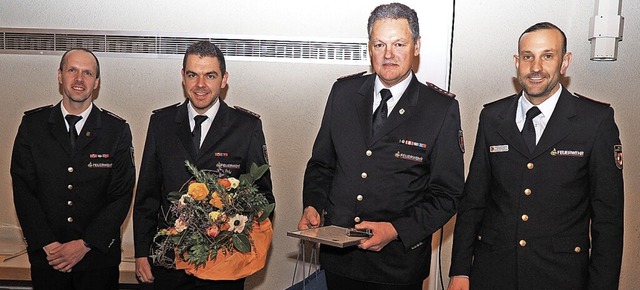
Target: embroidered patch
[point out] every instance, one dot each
(617, 154)
(100, 165)
(227, 166)
(408, 157)
(461, 140)
(567, 153)
(498, 148)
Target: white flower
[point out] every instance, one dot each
(184, 198)
(237, 223)
(234, 182)
(180, 225)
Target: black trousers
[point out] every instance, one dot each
(168, 279)
(337, 282)
(95, 279)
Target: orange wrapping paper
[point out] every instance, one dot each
(237, 265)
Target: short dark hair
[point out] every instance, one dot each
(63, 60)
(545, 25)
(395, 11)
(205, 48)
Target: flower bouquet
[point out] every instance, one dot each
(219, 227)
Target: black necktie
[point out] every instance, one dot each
(197, 129)
(529, 132)
(73, 133)
(380, 115)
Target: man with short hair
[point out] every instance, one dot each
(73, 176)
(543, 203)
(388, 158)
(231, 139)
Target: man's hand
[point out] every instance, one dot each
(310, 219)
(458, 283)
(67, 255)
(383, 234)
(143, 270)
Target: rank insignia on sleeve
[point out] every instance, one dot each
(617, 154)
(133, 158)
(461, 140)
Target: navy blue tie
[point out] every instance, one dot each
(73, 133)
(380, 115)
(529, 131)
(195, 135)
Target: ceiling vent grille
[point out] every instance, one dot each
(129, 44)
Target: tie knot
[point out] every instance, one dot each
(72, 119)
(199, 119)
(385, 94)
(533, 112)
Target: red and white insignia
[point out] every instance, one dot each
(617, 154)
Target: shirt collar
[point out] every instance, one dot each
(396, 91)
(211, 113)
(84, 115)
(546, 108)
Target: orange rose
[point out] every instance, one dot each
(213, 231)
(198, 191)
(215, 200)
(224, 183)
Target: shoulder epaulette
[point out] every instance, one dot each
(241, 109)
(579, 96)
(167, 107)
(439, 90)
(37, 109)
(112, 114)
(499, 100)
(352, 76)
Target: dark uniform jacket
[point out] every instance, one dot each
(235, 141)
(524, 219)
(63, 195)
(410, 174)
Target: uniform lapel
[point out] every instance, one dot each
(183, 130)
(58, 128)
(364, 107)
(509, 130)
(560, 125)
(90, 129)
(218, 129)
(402, 110)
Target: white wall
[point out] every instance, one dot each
(291, 96)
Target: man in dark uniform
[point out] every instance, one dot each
(543, 203)
(230, 139)
(73, 191)
(388, 158)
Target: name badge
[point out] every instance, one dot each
(498, 148)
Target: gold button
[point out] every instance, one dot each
(523, 243)
(525, 217)
(577, 250)
(70, 219)
(70, 186)
(530, 165)
(69, 203)
(368, 152)
(70, 169)
(356, 219)
(527, 191)
(359, 197)
(363, 175)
